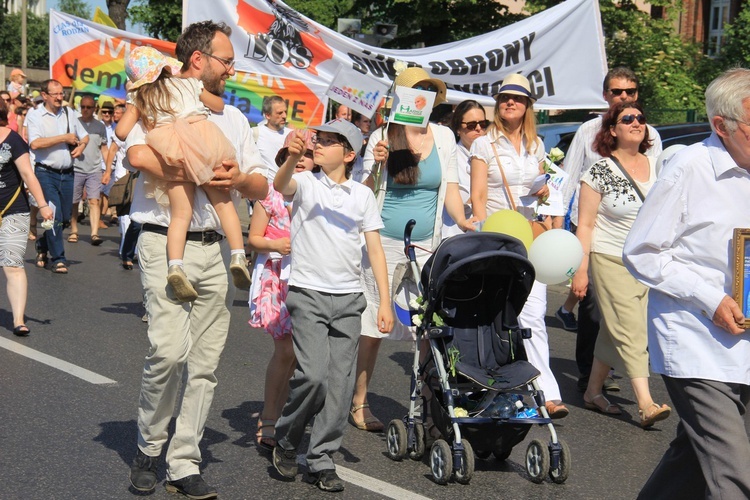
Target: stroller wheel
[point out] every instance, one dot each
(441, 461)
(417, 452)
(537, 460)
(395, 440)
(464, 470)
(560, 473)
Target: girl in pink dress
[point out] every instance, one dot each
(174, 111)
(269, 237)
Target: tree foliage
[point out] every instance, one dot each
(37, 39)
(735, 50)
(77, 8)
(160, 18)
(434, 22)
(325, 13)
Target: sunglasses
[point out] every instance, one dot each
(512, 97)
(429, 88)
(106, 111)
(628, 119)
(473, 125)
(630, 92)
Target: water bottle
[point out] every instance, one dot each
(504, 406)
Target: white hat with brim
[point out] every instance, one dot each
(515, 84)
(346, 128)
(412, 76)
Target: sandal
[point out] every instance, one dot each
(603, 407)
(73, 238)
(60, 268)
(41, 260)
(556, 410)
(659, 413)
(370, 424)
(127, 265)
(266, 440)
(21, 331)
(96, 240)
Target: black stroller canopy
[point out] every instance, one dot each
(474, 263)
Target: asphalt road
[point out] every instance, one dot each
(64, 437)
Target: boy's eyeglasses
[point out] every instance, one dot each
(628, 119)
(630, 92)
(325, 141)
(228, 63)
(473, 124)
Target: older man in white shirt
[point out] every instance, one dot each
(680, 247)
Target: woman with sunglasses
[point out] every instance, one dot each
(468, 123)
(504, 163)
(612, 192)
(415, 169)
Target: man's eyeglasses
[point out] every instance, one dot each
(628, 119)
(88, 107)
(325, 141)
(56, 94)
(228, 63)
(630, 92)
(473, 124)
(429, 87)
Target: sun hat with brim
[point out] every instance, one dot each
(107, 104)
(515, 84)
(144, 65)
(412, 76)
(308, 135)
(346, 128)
(17, 72)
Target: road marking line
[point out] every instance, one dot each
(59, 364)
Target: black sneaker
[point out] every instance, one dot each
(326, 480)
(568, 320)
(143, 472)
(192, 487)
(583, 383)
(285, 462)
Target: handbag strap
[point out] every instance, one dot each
(12, 200)
(628, 177)
(505, 181)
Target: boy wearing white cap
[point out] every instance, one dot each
(325, 300)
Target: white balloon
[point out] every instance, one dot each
(556, 255)
(666, 155)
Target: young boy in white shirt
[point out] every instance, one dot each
(325, 299)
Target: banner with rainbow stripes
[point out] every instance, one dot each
(90, 57)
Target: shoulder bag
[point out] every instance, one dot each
(121, 193)
(628, 177)
(10, 203)
(537, 227)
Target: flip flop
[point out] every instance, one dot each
(21, 331)
(73, 238)
(605, 407)
(41, 260)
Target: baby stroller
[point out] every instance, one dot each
(484, 393)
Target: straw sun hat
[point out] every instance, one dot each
(411, 76)
(144, 64)
(515, 84)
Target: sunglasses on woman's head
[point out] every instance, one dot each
(628, 119)
(473, 124)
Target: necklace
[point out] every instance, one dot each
(424, 136)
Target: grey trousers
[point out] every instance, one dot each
(326, 337)
(710, 456)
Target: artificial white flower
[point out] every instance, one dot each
(414, 305)
(416, 320)
(47, 224)
(399, 66)
(556, 154)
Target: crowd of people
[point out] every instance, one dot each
(329, 205)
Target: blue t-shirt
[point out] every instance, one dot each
(413, 201)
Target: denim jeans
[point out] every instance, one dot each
(58, 190)
(130, 240)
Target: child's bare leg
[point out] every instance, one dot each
(230, 223)
(181, 212)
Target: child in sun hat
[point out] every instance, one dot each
(174, 111)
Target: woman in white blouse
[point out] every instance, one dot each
(612, 192)
(511, 140)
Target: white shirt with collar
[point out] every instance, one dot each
(237, 129)
(327, 222)
(41, 123)
(581, 156)
(681, 247)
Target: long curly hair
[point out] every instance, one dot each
(154, 98)
(605, 142)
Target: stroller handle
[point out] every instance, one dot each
(408, 249)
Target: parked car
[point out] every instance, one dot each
(552, 133)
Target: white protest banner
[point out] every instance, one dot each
(361, 93)
(560, 50)
(90, 57)
(412, 106)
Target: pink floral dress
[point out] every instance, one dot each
(269, 290)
